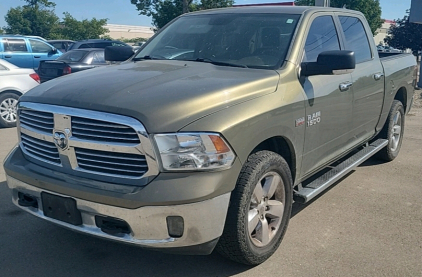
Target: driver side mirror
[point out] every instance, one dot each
(335, 62)
(53, 50)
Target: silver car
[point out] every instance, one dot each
(14, 81)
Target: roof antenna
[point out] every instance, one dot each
(344, 6)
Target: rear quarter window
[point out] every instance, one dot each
(98, 58)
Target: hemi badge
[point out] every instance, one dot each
(300, 121)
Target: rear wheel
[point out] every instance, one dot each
(8, 109)
(259, 210)
(393, 131)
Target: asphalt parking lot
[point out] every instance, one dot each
(368, 224)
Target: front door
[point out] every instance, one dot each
(328, 109)
(42, 51)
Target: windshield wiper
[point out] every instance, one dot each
(147, 58)
(207, 60)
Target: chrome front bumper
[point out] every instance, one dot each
(203, 221)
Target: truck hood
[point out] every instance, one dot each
(165, 95)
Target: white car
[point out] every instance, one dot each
(14, 81)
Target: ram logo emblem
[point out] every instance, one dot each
(60, 139)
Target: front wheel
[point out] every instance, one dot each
(259, 211)
(8, 109)
(393, 131)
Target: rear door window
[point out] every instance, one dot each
(356, 38)
(322, 37)
(15, 45)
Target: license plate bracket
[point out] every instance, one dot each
(61, 208)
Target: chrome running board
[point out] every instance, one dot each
(311, 190)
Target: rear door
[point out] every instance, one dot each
(1, 49)
(367, 78)
(42, 51)
(16, 52)
(328, 109)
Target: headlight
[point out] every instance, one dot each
(194, 151)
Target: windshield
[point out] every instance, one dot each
(246, 40)
(72, 56)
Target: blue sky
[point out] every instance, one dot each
(123, 12)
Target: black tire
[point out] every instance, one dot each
(8, 114)
(393, 131)
(237, 242)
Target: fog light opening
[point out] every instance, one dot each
(175, 226)
(26, 200)
(112, 226)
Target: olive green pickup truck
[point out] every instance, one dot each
(203, 139)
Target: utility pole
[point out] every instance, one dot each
(322, 3)
(416, 17)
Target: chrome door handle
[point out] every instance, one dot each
(345, 86)
(378, 76)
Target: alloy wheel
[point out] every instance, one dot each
(266, 209)
(8, 110)
(396, 132)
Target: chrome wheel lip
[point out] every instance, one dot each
(396, 131)
(8, 110)
(266, 209)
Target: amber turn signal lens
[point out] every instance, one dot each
(219, 144)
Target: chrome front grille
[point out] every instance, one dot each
(111, 163)
(37, 120)
(90, 129)
(87, 143)
(41, 149)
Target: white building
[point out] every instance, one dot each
(129, 31)
(383, 31)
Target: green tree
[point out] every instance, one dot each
(36, 18)
(370, 8)
(163, 11)
(71, 28)
(404, 35)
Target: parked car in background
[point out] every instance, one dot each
(14, 82)
(37, 37)
(61, 44)
(95, 43)
(26, 52)
(389, 49)
(138, 45)
(70, 62)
